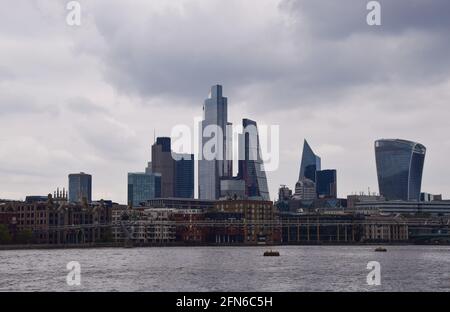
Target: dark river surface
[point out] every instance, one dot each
(299, 268)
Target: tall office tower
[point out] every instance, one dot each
(326, 184)
(251, 167)
(163, 163)
(218, 162)
(184, 175)
(142, 187)
(305, 189)
(310, 163)
(399, 168)
(284, 193)
(80, 186)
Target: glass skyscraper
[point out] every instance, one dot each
(326, 184)
(305, 189)
(164, 164)
(212, 169)
(80, 186)
(184, 176)
(399, 168)
(310, 163)
(176, 170)
(251, 167)
(142, 187)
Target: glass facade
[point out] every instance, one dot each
(215, 113)
(326, 184)
(142, 187)
(310, 163)
(251, 167)
(399, 168)
(305, 189)
(184, 176)
(164, 164)
(80, 186)
(232, 188)
(176, 170)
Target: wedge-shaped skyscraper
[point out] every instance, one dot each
(399, 168)
(310, 163)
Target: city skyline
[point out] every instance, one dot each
(308, 159)
(395, 158)
(387, 82)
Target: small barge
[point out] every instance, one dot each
(271, 253)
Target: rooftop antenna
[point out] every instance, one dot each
(154, 135)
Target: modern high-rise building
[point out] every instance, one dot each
(310, 163)
(184, 175)
(251, 167)
(143, 187)
(326, 184)
(305, 189)
(284, 193)
(176, 170)
(164, 164)
(80, 186)
(216, 162)
(399, 168)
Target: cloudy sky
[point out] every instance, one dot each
(89, 98)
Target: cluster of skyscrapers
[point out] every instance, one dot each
(168, 175)
(236, 209)
(399, 169)
(216, 178)
(171, 175)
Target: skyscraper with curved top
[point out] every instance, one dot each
(251, 165)
(399, 168)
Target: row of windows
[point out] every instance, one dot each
(252, 206)
(31, 222)
(30, 208)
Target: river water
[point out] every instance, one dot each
(299, 268)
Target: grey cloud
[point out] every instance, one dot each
(410, 48)
(5, 74)
(182, 55)
(419, 15)
(84, 106)
(324, 50)
(12, 104)
(340, 19)
(108, 137)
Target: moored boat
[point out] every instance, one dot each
(271, 253)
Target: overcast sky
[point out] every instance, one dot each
(89, 98)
